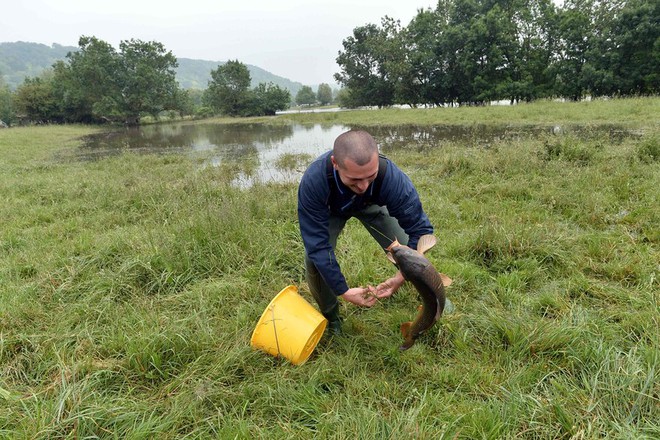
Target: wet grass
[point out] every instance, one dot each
(130, 286)
(631, 112)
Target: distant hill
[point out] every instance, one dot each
(21, 59)
(195, 74)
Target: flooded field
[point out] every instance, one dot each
(279, 152)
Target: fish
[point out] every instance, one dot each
(430, 285)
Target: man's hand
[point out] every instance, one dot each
(389, 286)
(361, 296)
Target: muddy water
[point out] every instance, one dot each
(265, 148)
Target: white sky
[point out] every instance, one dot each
(295, 39)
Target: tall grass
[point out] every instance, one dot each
(129, 288)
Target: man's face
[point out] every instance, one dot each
(357, 177)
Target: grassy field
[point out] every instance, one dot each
(633, 112)
(130, 286)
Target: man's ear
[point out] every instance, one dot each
(334, 162)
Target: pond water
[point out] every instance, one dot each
(279, 152)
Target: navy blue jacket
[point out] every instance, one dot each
(316, 203)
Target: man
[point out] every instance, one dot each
(352, 180)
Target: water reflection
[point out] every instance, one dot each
(428, 137)
(254, 152)
(263, 153)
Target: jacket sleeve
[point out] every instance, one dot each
(314, 219)
(403, 203)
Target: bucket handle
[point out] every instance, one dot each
(277, 342)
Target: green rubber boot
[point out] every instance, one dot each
(334, 322)
(334, 327)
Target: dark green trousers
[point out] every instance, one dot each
(380, 225)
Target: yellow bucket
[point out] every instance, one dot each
(289, 327)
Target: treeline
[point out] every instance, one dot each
(478, 51)
(98, 84)
(461, 52)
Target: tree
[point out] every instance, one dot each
(305, 96)
(100, 84)
(476, 51)
(34, 100)
(366, 63)
(395, 59)
(324, 94)
(345, 98)
(425, 73)
(530, 77)
(196, 96)
(228, 93)
(6, 105)
(184, 102)
(86, 78)
(635, 64)
(576, 40)
(269, 98)
(228, 90)
(145, 83)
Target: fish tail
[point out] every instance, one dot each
(405, 329)
(406, 345)
(409, 340)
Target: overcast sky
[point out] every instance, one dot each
(295, 39)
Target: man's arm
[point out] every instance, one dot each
(403, 203)
(314, 219)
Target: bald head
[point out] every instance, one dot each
(356, 145)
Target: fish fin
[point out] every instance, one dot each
(405, 329)
(425, 243)
(391, 257)
(446, 281)
(394, 244)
